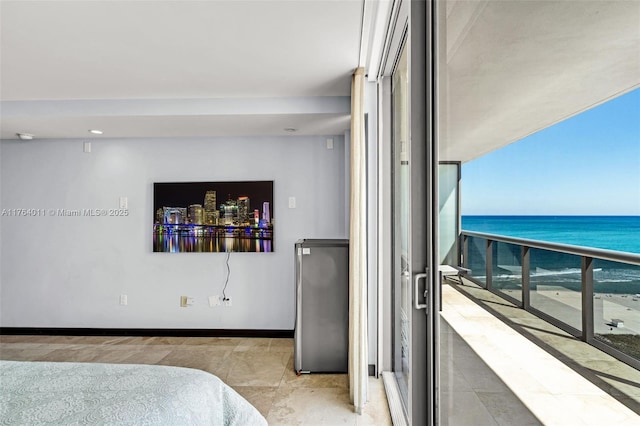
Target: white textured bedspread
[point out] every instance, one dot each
(60, 393)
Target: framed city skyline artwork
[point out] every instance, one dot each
(211, 217)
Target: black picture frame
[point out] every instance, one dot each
(213, 217)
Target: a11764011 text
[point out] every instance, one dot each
(31, 212)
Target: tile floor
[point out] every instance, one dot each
(471, 392)
(260, 369)
(553, 378)
(499, 366)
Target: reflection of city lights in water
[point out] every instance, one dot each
(229, 243)
(175, 243)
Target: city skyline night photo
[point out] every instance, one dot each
(234, 216)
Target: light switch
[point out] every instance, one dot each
(329, 143)
(292, 202)
(86, 147)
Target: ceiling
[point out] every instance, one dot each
(230, 68)
(517, 67)
(68, 57)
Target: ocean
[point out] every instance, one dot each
(619, 233)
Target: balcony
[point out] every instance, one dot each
(529, 334)
(589, 293)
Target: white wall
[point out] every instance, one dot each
(70, 271)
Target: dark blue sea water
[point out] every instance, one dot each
(620, 233)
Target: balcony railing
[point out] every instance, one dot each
(590, 293)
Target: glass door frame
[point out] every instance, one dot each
(413, 25)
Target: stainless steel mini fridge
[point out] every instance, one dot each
(322, 306)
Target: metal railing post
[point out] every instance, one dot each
(587, 298)
(465, 251)
(526, 277)
(489, 264)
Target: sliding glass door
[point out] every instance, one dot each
(413, 180)
(400, 219)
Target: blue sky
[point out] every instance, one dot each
(586, 165)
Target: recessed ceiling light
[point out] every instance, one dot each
(96, 132)
(24, 136)
(290, 129)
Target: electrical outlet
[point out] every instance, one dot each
(214, 301)
(123, 299)
(329, 143)
(227, 301)
(186, 301)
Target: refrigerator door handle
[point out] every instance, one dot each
(416, 286)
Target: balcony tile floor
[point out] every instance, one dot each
(545, 376)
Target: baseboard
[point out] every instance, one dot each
(172, 332)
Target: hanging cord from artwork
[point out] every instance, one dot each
(226, 282)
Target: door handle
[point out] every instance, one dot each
(416, 288)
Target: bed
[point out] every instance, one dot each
(61, 393)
